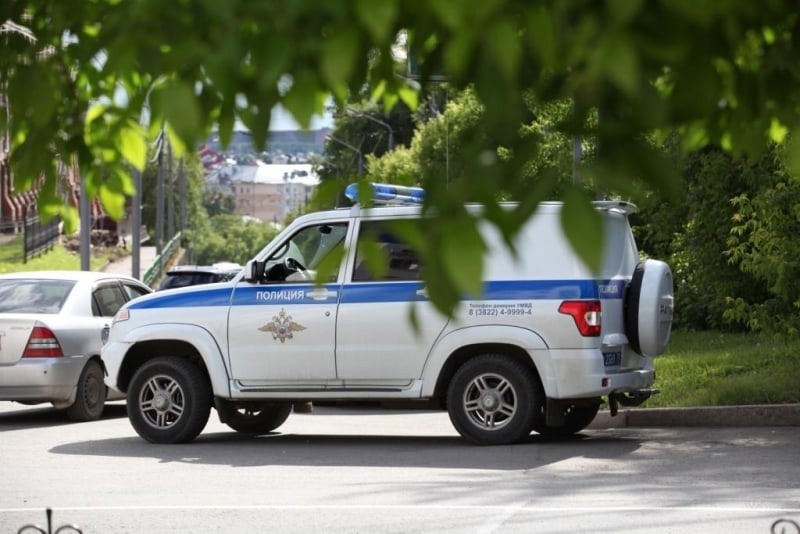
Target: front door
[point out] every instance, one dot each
(284, 330)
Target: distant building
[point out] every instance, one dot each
(17, 206)
(268, 192)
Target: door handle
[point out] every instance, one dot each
(322, 294)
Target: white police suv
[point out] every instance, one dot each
(539, 350)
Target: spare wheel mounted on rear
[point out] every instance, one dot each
(648, 307)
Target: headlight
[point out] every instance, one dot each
(122, 315)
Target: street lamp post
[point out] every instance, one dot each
(354, 149)
(390, 143)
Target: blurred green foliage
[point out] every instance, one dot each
(96, 81)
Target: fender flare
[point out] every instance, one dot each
(523, 338)
(198, 337)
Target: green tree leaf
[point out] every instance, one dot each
(133, 146)
(378, 18)
(618, 59)
(462, 255)
(503, 41)
(177, 104)
(583, 227)
(340, 54)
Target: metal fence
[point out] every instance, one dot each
(156, 270)
(39, 236)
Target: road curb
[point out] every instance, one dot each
(754, 415)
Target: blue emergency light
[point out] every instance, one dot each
(389, 194)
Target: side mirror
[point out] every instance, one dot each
(254, 271)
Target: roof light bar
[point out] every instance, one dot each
(389, 194)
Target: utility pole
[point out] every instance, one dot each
(160, 196)
(182, 192)
(86, 227)
(170, 195)
(136, 226)
(354, 149)
(390, 142)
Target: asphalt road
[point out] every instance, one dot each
(375, 471)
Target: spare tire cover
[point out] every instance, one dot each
(648, 308)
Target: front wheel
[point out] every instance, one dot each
(253, 417)
(91, 394)
(493, 399)
(169, 400)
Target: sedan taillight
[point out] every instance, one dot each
(586, 314)
(42, 344)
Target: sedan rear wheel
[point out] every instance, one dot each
(169, 400)
(91, 394)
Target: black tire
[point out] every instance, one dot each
(90, 398)
(631, 308)
(253, 417)
(169, 400)
(576, 418)
(492, 400)
(648, 308)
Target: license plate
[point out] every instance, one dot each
(612, 359)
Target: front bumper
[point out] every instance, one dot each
(113, 354)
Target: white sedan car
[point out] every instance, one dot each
(52, 327)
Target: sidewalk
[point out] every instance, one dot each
(731, 416)
(696, 416)
(124, 265)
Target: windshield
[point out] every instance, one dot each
(299, 257)
(310, 245)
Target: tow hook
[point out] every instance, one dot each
(629, 398)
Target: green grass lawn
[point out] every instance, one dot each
(722, 369)
(57, 259)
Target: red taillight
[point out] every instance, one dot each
(586, 314)
(42, 344)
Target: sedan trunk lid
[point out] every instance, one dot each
(14, 335)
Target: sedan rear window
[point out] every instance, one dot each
(33, 295)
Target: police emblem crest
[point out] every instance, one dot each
(282, 327)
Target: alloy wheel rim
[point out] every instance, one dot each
(161, 401)
(490, 401)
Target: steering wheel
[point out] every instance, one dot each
(293, 265)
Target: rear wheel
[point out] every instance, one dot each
(253, 417)
(169, 400)
(576, 418)
(493, 399)
(91, 394)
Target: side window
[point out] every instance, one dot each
(298, 259)
(107, 300)
(133, 291)
(402, 262)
